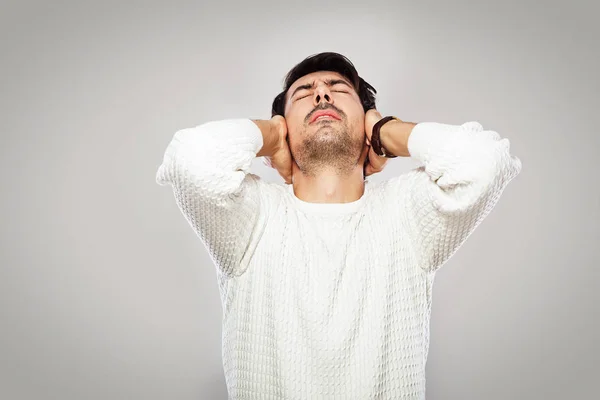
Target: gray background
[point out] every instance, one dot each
(108, 294)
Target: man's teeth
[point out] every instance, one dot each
(325, 116)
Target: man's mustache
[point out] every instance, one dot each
(327, 107)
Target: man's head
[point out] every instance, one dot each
(325, 83)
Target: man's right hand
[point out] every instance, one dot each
(276, 151)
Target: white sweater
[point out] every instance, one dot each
(331, 301)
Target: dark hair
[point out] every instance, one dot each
(327, 61)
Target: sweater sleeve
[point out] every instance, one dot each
(208, 169)
(465, 170)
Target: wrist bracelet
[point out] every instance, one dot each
(376, 139)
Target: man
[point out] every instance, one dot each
(326, 281)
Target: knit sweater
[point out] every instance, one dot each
(331, 300)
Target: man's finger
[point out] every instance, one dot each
(377, 162)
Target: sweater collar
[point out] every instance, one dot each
(328, 208)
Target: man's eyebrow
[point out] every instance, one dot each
(328, 82)
(331, 82)
(302, 87)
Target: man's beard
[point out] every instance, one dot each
(331, 147)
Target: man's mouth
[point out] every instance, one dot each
(325, 115)
(322, 117)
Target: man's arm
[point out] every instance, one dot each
(208, 168)
(465, 170)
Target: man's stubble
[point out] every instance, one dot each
(330, 147)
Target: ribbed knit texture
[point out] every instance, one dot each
(331, 301)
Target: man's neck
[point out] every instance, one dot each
(329, 187)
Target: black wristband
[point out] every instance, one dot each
(376, 139)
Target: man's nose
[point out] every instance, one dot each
(322, 93)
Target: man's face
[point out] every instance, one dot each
(331, 141)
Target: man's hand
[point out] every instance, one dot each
(281, 158)
(373, 163)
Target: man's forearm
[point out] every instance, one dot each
(394, 137)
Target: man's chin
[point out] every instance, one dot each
(325, 124)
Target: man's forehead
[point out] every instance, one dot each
(320, 75)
